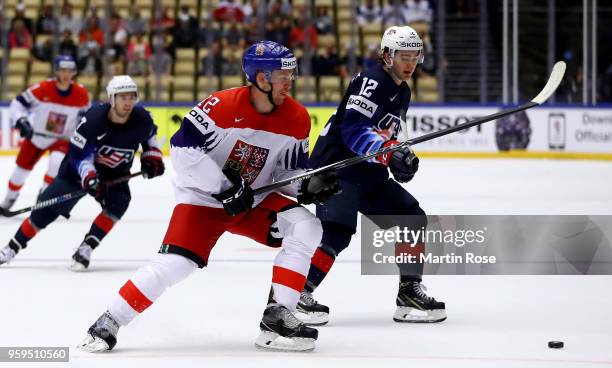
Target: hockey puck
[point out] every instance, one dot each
(555, 344)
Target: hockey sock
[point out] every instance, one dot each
(147, 284)
(26, 232)
(320, 264)
(16, 182)
(101, 226)
(410, 271)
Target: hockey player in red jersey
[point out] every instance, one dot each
(44, 111)
(233, 140)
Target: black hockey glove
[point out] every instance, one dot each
(319, 188)
(239, 197)
(403, 164)
(25, 128)
(152, 164)
(93, 187)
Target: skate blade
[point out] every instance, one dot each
(77, 267)
(93, 345)
(413, 315)
(312, 318)
(272, 341)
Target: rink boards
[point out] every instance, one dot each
(547, 132)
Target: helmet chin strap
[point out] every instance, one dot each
(268, 93)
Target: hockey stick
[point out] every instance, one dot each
(553, 82)
(52, 135)
(65, 197)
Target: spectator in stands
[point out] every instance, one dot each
(414, 11)
(67, 45)
(233, 37)
(369, 13)
(278, 29)
(43, 49)
(328, 61)
(392, 13)
(93, 18)
(138, 55)
(162, 22)
(300, 33)
(279, 8)
(249, 8)
(69, 22)
(136, 23)
(119, 36)
(19, 37)
(20, 15)
(372, 57)
(46, 23)
(186, 29)
(92, 31)
(161, 62)
(232, 63)
(323, 21)
(228, 10)
(89, 53)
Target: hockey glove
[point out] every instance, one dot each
(25, 128)
(93, 187)
(384, 159)
(239, 197)
(403, 164)
(319, 188)
(152, 164)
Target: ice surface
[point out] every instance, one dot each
(212, 318)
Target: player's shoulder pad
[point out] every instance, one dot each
(142, 114)
(298, 116)
(39, 90)
(81, 94)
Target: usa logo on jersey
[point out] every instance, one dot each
(247, 159)
(390, 124)
(113, 157)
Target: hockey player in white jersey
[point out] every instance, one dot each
(45, 111)
(232, 140)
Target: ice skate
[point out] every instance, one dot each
(413, 305)
(9, 252)
(281, 330)
(80, 258)
(102, 335)
(6, 204)
(310, 312)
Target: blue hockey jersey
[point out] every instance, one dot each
(108, 148)
(367, 117)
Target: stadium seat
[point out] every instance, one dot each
(206, 85)
(229, 81)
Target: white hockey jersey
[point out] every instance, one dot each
(50, 110)
(225, 131)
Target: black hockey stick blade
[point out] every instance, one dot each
(551, 86)
(64, 197)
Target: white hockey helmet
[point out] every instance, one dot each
(401, 38)
(120, 84)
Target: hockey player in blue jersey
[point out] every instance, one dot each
(368, 119)
(101, 149)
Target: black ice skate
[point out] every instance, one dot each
(82, 256)
(310, 312)
(281, 330)
(102, 335)
(413, 305)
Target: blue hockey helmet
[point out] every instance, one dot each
(64, 62)
(267, 56)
